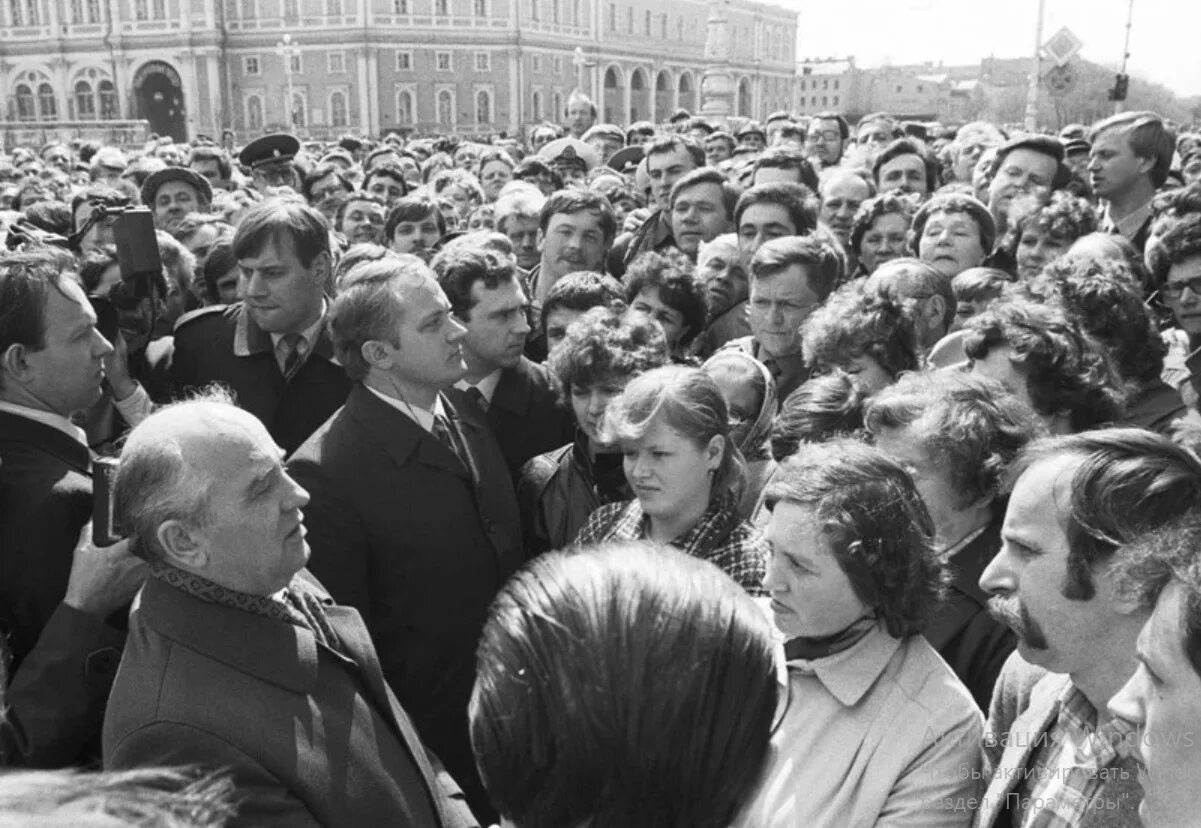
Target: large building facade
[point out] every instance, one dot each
(369, 66)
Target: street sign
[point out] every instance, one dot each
(1062, 46)
(1060, 80)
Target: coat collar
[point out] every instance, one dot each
(849, 674)
(400, 436)
(272, 651)
(48, 439)
(250, 339)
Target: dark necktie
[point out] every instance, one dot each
(446, 437)
(292, 348)
(477, 397)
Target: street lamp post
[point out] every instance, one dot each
(579, 62)
(288, 50)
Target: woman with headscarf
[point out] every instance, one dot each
(750, 392)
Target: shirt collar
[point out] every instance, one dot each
(849, 674)
(1132, 223)
(48, 418)
(424, 417)
(309, 334)
(486, 386)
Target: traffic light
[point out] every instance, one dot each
(1121, 85)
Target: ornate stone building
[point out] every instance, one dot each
(70, 67)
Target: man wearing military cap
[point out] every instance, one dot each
(270, 161)
(751, 136)
(606, 139)
(571, 158)
(627, 159)
(174, 192)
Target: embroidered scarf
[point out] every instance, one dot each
(300, 606)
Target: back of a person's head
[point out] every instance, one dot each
(625, 686)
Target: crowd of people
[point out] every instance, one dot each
(809, 473)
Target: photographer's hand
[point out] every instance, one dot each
(103, 578)
(116, 369)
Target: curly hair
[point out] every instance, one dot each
(1066, 217)
(878, 527)
(603, 344)
(1179, 240)
(970, 427)
(1129, 481)
(458, 178)
(1065, 369)
(872, 209)
(671, 274)
(821, 409)
(853, 323)
(1103, 296)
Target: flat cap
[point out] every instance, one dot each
(185, 174)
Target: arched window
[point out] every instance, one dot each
(404, 108)
(483, 108)
(446, 108)
(26, 110)
(337, 109)
(47, 105)
(254, 113)
(537, 106)
(299, 110)
(85, 101)
(108, 100)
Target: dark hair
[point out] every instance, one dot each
(800, 202)
(955, 203)
(603, 344)
(1147, 136)
(843, 129)
(672, 141)
(640, 128)
(852, 323)
(872, 209)
(1179, 241)
(51, 216)
(1045, 144)
(276, 219)
(782, 158)
(367, 307)
(970, 427)
(220, 260)
(824, 407)
(413, 208)
(357, 195)
(387, 170)
(1065, 370)
(730, 192)
(907, 146)
(91, 269)
(582, 291)
(980, 284)
(1103, 296)
(532, 167)
(324, 171)
(908, 278)
(459, 267)
(622, 686)
(205, 153)
(1129, 482)
(670, 274)
(578, 201)
(26, 279)
(878, 527)
(96, 194)
(1161, 556)
(824, 267)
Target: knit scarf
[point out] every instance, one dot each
(300, 606)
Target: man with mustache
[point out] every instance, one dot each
(1053, 755)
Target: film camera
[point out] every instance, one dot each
(137, 257)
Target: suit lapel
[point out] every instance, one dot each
(50, 440)
(399, 435)
(356, 642)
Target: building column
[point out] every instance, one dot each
(364, 91)
(191, 91)
(373, 118)
(516, 93)
(216, 93)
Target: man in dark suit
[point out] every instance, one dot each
(271, 349)
(957, 434)
(413, 520)
(236, 658)
(508, 391)
(51, 366)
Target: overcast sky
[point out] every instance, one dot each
(1165, 41)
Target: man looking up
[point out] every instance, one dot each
(1075, 502)
(1029, 165)
(271, 349)
(413, 520)
(1129, 160)
(510, 393)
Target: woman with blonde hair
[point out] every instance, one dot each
(673, 426)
